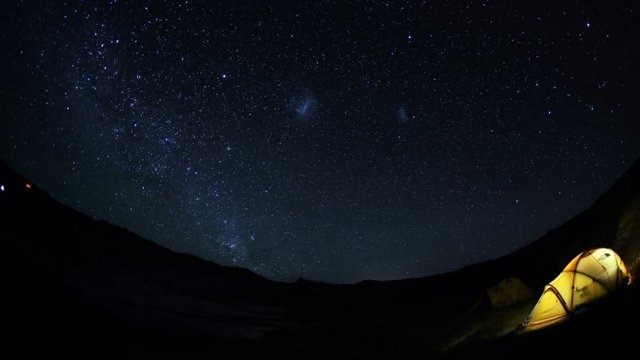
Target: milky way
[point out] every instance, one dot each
(332, 141)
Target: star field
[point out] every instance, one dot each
(336, 141)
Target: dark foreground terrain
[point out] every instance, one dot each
(75, 285)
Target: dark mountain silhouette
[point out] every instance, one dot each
(75, 285)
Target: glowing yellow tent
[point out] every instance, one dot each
(590, 276)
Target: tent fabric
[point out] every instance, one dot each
(590, 276)
(507, 292)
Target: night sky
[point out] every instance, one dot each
(337, 142)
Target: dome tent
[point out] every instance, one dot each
(590, 276)
(508, 291)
